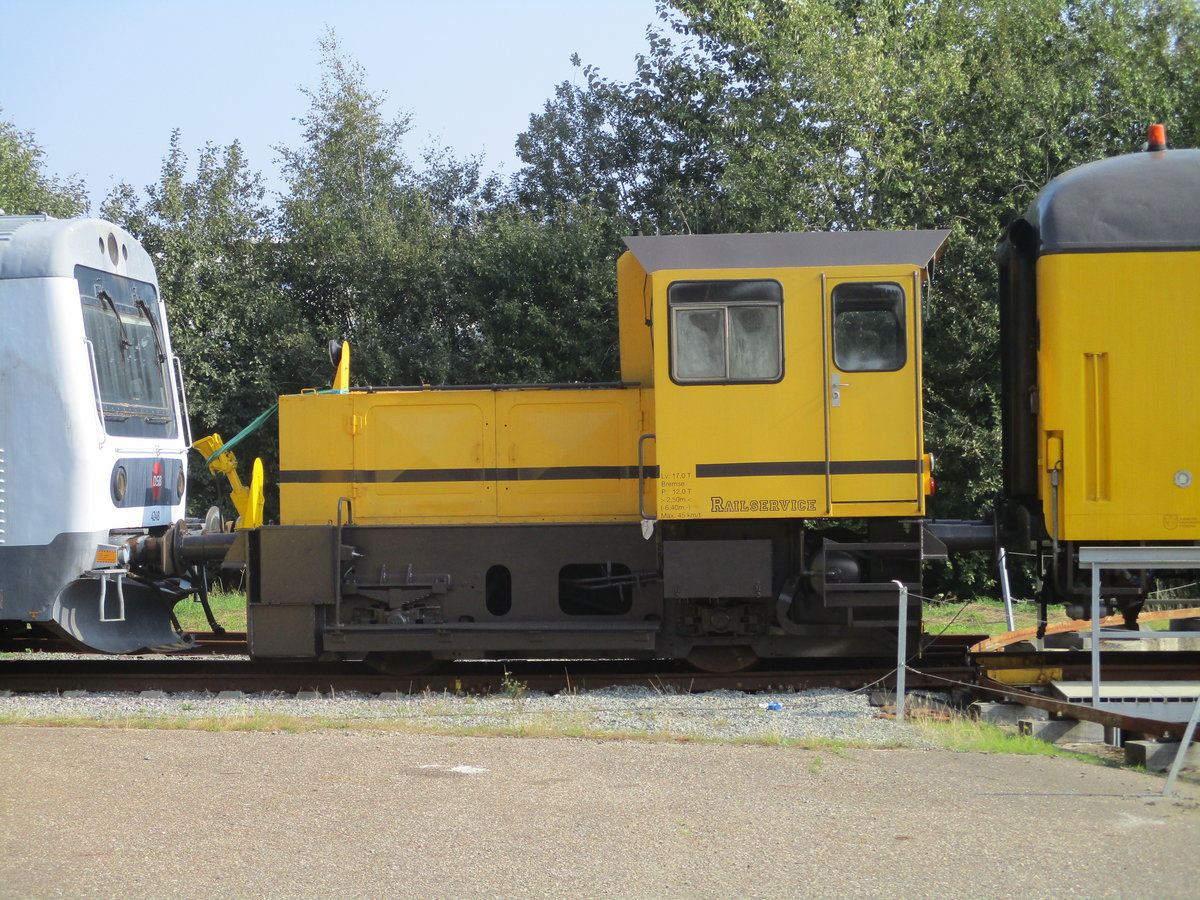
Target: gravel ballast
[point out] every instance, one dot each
(815, 715)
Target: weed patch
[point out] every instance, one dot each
(969, 736)
(980, 616)
(229, 609)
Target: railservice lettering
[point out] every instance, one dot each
(786, 504)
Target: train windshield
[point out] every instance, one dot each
(128, 347)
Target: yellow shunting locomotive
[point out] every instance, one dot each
(770, 387)
(1100, 325)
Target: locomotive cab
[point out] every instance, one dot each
(786, 370)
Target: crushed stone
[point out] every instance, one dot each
(819, 714)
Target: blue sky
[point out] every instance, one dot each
(101, 85)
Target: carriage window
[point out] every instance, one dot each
(868, 327)
(726, 331)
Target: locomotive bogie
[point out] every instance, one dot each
(716, 590)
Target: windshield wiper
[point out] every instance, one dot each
(107, 298)
(141, 304)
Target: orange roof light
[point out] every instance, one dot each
(1156, 137)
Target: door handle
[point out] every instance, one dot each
(835, 391)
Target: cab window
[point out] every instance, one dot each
(127, 351)
(726, 331)
(868, 327)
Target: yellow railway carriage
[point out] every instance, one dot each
(771, 387)
(1100, 330)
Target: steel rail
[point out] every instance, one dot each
(173, 675)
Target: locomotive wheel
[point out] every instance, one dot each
(722, 658)
(400, 663)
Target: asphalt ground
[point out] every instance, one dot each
(89, 812)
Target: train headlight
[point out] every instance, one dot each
(120, 484)
(180, 484)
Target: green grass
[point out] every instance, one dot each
(966, 735)
(987, 617)
(959, 734)
(981, 616)
(229, 609)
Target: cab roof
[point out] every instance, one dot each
(787, 250)
(1140, 201)
(44, 247)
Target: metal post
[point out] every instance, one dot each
(901, 650)
(1006, 591)
(1188, 734)
(1095, 636)
(826, 391)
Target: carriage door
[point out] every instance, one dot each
(873, 390)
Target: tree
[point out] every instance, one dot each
(432, 274)
(25, 188)
(359, 235)
(536, 296)
(214, 252)
(761, 115)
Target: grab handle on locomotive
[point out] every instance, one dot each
(646, 517)
(103, 612)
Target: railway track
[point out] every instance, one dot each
(213, 675)
(219, 663)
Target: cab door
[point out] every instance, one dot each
(873, 390)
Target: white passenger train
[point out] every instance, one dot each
(93, 434)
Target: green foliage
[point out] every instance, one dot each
(760, 115)
(537, 299)
(230, 323)
(744, 115)
(362, 242)
(432, 274)
(25, 189)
